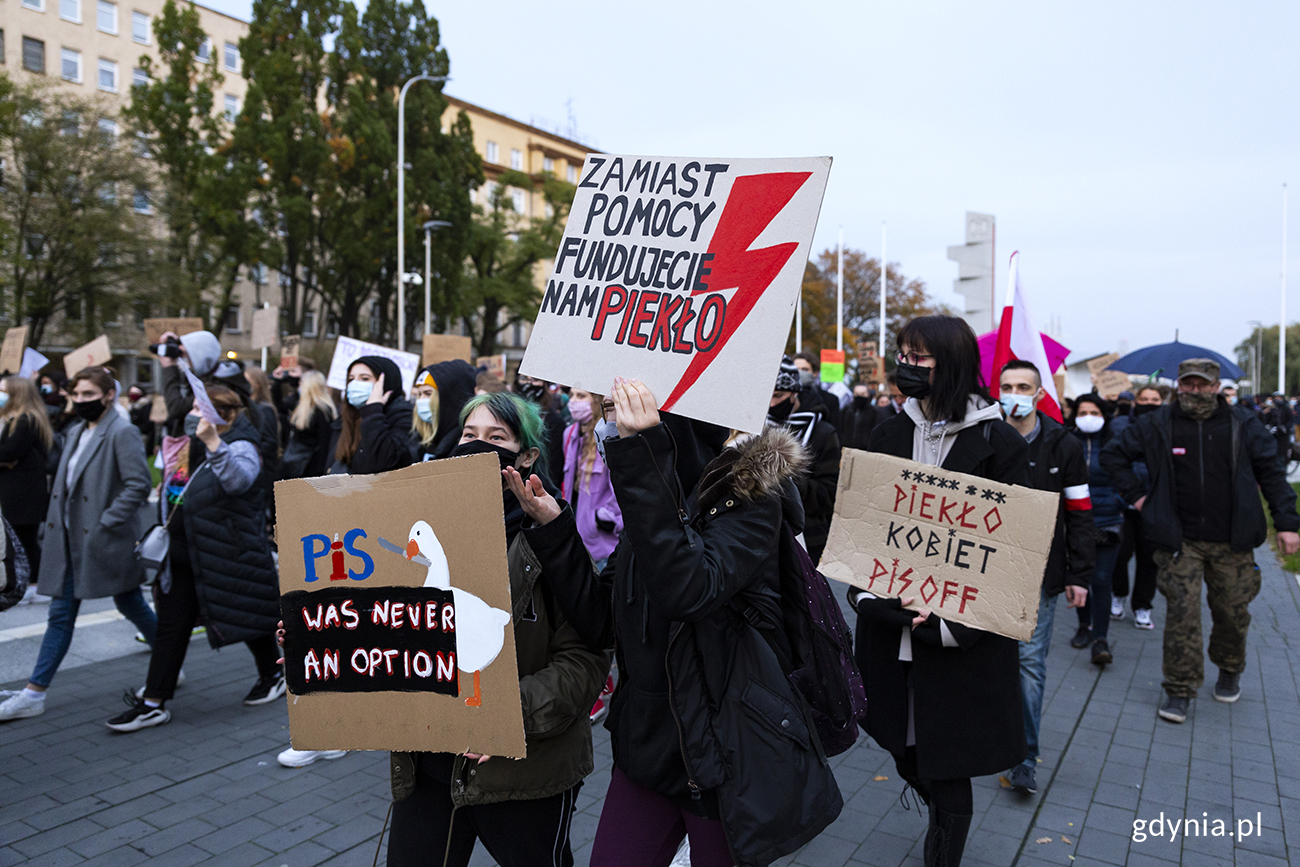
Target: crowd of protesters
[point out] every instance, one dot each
(652, 532)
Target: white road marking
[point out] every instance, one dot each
(34, 629)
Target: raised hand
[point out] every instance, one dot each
(377, 393)
(532, 495)
(636, 407)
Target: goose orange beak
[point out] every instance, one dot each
(412, 549)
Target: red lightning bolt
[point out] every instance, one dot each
(754, 201)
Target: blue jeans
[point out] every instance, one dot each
(1096, 613)
(1033, 673)
(63, 617)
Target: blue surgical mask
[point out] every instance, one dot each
(4, 399)
(192, 425)
(605, 430)
(1017, 405)
(424, 410)
(359, 392)
(47, 389)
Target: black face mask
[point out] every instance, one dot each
(90, 410)
(914, 380)
(781, 411)
(861, 402)
(532, 390)
(1144, 408)
(482, 447)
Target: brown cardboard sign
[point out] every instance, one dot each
(970, 550)
(1101, 362)
(495, 364)
(397, 611)
(94, 353)
(11, 352)
(289, 348)
(266, 326)
(154, 329)
(446, 347)
(1111, 382)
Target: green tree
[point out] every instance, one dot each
(1264, 342)
(203, 183)
(75, 199)
(505, 252)
(905, 300)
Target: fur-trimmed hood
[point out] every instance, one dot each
(753, 467)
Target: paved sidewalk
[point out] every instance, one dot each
(205, 788)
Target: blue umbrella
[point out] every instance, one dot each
(1165, 358)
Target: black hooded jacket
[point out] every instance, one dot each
(703, 713)
(385, 427)
(455, 384)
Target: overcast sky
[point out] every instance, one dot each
(1134, 153)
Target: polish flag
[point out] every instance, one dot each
(1019, 338)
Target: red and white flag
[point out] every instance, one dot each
(1019, 338)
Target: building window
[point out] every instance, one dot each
(205, 50)
(2, 45)
(491, 152)
(518, 334)
(231, 57)
(257, 275)
(71, 64)
(106, 16)
(519, 199)
(548, 164)
(107, 75)
(141, 202)
(109, 129)
(38, 5)
(572, 174)
(332, 326)
(230, 321)
(71, 123)
(516, 159)
(140, 27)
(232, 107)
(73, 310)
(309, 323)
(33, 55)
(489, 192)
(70, 10)
(108, 195)
(139, 77)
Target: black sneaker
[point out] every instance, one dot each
(267, 689)
(1022, 779)
(138, 716)
(1082, 638)
(1174, 708)
(1228, 689)
(1101, 653)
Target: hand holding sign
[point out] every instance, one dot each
(636, 407)
(201, 399)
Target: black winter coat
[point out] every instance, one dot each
(818, 485)
(967, 706)
(24, 487)
(1255, 469)
(702, 706)
(1057, 463)
(385, 438)
(857, 421)
(317, 437)
(234, 574)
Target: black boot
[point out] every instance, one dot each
(946, 839)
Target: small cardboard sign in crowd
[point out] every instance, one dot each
(969, 549)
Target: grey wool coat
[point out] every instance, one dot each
(109, 485)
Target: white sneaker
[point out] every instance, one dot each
(1117, 608)
(1142, 619)
(180, 678)
(292, 758)
(21, 705)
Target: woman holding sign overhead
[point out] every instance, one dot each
(943, 698)
(520, 810)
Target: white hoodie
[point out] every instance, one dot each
(933, 440)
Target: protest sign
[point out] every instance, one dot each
(397, 611)
(1101, 362)
(154, 329)
(94, 353)
(969, 549)
(494, 364)
(266, 327)
(446, 347)
(201, 399)
(32, 362)
(683, 273)
(832, 364)
(11, 351)
(289, 345)
(1111, 382)
(348, 350)
(871, 367)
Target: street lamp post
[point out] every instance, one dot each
(401, 203)
(428, 254)
(1257, 363)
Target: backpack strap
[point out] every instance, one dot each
(988, 427)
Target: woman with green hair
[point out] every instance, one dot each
(519, 809)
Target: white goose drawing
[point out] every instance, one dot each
(480, 628)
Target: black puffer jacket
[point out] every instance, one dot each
(234, 573)
(702, 713)
(1056, 462)
(1255, 469)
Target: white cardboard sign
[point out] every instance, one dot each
(348, 350)
(684, 273)
(201, 399)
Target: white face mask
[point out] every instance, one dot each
(605, 430)
(1089, 424)
(359, 392)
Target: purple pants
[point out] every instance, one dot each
(641, 828)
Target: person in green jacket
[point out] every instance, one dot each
(520, 810)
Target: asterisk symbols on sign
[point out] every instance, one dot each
(907, 475)
(988, 495)
(971, 490)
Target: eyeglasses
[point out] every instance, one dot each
(912, 358)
